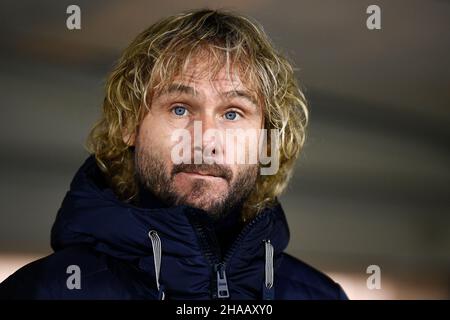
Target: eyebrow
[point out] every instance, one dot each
(181, 88)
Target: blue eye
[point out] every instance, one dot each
(231, 115)
(179, 110)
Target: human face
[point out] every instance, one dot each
(222, 104)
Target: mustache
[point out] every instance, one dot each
(212, 169)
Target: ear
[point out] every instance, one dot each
(128, 138)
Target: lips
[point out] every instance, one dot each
(202, 173)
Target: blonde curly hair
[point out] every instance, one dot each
(160, 53)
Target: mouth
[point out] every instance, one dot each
(201, 175)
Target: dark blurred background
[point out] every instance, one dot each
(372, 185)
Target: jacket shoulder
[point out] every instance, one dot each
(77, 272)
(299, 281)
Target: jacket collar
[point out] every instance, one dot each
(91, 214)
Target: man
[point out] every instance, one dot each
(168, 206)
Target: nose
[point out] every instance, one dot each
(208, 138)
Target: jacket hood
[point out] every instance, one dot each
(91, 214)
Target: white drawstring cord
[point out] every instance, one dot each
(268, 283)
(269, 264)
(156, 246)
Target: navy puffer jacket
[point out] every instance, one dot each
(122, 251)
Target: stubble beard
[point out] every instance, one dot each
(152, 174)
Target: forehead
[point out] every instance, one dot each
(203, 73)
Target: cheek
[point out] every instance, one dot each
(240, 170)
(241, 145)
(154, 137)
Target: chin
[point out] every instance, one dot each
(205, 203)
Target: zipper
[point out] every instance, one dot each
(219, 287)
(222, 285)
(242, 235)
